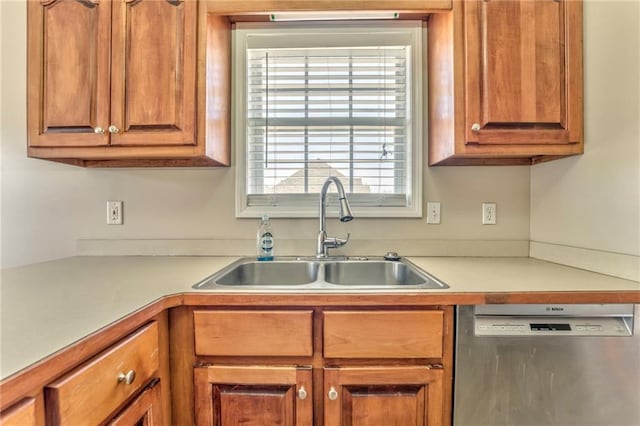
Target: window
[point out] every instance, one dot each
(328, 100)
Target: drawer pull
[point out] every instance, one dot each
(333, 394)
(302, 393)
(127, 378)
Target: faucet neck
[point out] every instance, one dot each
(323, 198)
(324, 242)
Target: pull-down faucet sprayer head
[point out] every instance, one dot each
(345, 210)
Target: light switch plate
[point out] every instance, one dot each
(433, 213)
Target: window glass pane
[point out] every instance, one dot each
(319, 112)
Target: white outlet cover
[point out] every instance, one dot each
(489, 213)
(114, 212)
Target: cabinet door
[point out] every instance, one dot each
(153, 79)
(68, 72)
(145, 410)
(253, 396)
(383, 396)
(523, 71)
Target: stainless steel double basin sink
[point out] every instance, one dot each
(311, 274)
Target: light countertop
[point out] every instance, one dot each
(516, 274)
(47, 306)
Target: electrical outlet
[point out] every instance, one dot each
(433, 213)
(114, 212)
(489, 213)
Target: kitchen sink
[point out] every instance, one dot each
(373, 273)
(340, 275)
(264, 273)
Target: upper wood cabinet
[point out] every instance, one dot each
(114, 82)
(69, 60)
(263, 7)
(507, 86)
(153, 72)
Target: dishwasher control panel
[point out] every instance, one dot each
(551, 326)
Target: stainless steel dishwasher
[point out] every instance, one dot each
(544, 365)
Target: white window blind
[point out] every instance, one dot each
(329, 110)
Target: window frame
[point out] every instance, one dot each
(306, 205)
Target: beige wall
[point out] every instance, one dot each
(593, 201)
(47, 207)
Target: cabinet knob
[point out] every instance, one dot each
(475, 127)
(98, 131)
(127, 378)
(333, 394)
(113, 129)
(302, 393)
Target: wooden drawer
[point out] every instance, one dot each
(253, 333)
(92, 392)
(383, 334)
(21, 414)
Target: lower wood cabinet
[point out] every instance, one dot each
(252, 366)
(253, 395)
(21, 414)
(93, 392)
(389, 396)
(369, 367)
(235, 333)
(145, 410)
(274, 396)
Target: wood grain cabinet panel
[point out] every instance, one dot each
(22, 414)
(253, 395)
(144, 410)
(69, 61)
(383, 396)
(153, 79)
(383, 334)
(257, 7)
(518, 79)
(508, 86)
(94, 391)
(253, 333)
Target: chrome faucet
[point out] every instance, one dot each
(324, 242)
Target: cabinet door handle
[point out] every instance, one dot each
(98, 131)
(127, 378)
(475, 127)
(113, 129)
(302, 393)
(333, 394)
